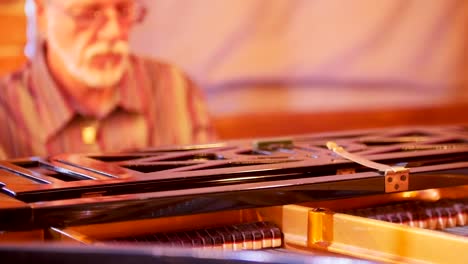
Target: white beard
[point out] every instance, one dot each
(93, 77)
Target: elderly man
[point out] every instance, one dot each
(84, 91)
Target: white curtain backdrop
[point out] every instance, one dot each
(313, 55)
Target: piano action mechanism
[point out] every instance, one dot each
(392, 195)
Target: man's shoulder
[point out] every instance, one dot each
(157, 65)
(136, 58)
(15, 76)
(15, 81)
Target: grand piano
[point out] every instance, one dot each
(380, 195)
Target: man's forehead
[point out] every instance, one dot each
(71, 3)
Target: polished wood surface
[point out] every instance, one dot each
(304, 197)
(292, 123)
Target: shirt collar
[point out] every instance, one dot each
(134, 91)
(52, 107)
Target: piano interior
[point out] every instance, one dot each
(289, 194)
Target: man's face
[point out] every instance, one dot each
(90, 37)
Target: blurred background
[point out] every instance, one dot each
(277, 67)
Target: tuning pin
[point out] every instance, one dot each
(462, 213)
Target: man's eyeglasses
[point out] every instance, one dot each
(91, 15)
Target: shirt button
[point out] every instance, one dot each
(89, 135)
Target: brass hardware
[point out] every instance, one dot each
(396, 177)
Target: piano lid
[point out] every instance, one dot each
(237, 174)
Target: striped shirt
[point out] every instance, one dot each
(155, 105)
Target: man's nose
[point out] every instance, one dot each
(110, 27)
